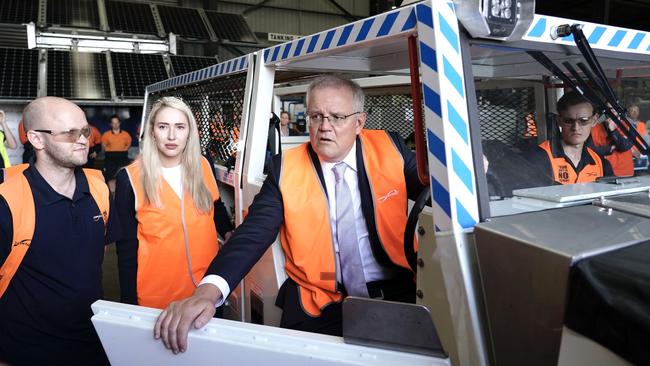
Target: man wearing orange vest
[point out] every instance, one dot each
(94, 146)
(339, 204)
(569, 160)
(116, 143)
(55, 220)
(608, 141)
(641, 127)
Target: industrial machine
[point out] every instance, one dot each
(504, 269)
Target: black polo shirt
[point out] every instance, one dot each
(538, 157)
(45, 312)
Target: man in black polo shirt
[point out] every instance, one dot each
(570, 160)
(45, 310)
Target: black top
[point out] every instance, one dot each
(609, 298)
(127, 247)
(45, 312)
(266, 214)
(539, 158)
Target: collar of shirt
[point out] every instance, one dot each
(45, 195)
(585, 158)
(350, 159)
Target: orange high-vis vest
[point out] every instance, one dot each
(306, 234)
(13, 171)
(621, 161)
(18, 195)
(163, 274)
(564, 173)
(642, 129)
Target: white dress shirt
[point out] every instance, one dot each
(371, 269)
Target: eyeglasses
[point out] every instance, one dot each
(335, 119)
(582, 121)
(71, 135)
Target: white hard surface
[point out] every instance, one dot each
(126, 332)
(583, 191)
(578, 350)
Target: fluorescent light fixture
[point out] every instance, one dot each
(97, 43)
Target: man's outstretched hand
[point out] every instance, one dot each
(174, 323)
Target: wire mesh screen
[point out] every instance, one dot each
(507, 115)
(78, 75)
(130, 17)
(390, 112)
(18, 11)
(19, 73)
(75, 13)
(217, 105)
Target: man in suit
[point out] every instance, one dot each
(339, 204)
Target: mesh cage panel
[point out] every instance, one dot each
(390, 112)
(217, 105)
(507, 115)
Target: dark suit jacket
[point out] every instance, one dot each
(266, 214)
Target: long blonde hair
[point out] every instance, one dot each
(191, 172)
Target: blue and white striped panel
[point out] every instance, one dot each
(387, 24)
(450, 153)
(232, 66)
(600, 36)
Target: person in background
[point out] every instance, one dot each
(339, 203)
(94, 146)
(28, 150)
(641, 127)
(607, 140)
(284, 124)
(570, 160)
(48, 284)
(116, 143)
(170, 211)
(7, 140)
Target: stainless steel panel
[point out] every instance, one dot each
(525, 261)
(637, 204)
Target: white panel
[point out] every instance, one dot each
(126, 333)
(578, 350)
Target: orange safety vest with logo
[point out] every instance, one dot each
(163, 273)
(621, 161)
(564, 173)
(305, 234)
(18, 195)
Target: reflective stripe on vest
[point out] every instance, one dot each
(564, 173)
(163, 274)
(18, 195)
(306, 235)
(3, 150)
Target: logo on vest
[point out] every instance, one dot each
(104, 216)
(391, 193)
(563, 174)
(26, 242)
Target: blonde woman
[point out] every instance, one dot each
(169, 206)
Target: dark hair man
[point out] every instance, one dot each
(569, 160)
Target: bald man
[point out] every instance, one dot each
(55, 219)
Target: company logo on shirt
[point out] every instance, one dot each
(26, 242)
(563, 174)
(391, 193)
